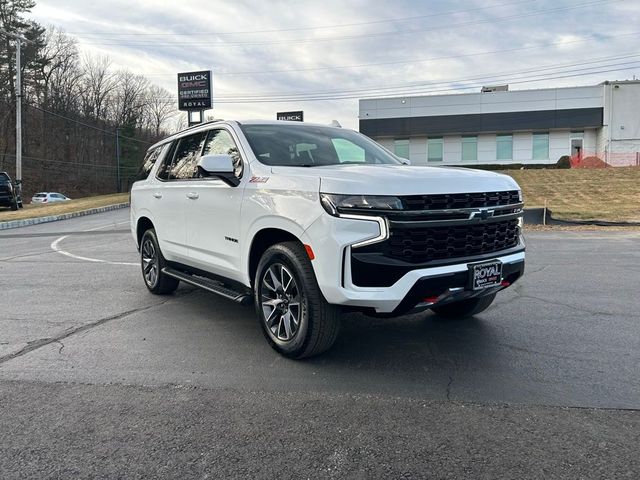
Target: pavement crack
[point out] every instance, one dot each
(43, 342)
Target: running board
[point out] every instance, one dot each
(209, 285)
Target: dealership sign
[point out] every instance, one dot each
(194, 90)
(291, 116)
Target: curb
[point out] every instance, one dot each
(63, 216)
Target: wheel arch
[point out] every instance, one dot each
(144, 224)
(262, 240)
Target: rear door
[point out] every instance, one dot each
(213, 212)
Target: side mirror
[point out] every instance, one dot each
(220, 166)
(404, 161)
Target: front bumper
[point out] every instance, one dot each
(331, 239)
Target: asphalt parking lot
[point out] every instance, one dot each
(100, 378)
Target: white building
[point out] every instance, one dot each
(501, 127)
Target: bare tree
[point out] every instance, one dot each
(129, 98)
(181, 122)
(98, 83)
(159, 108)
(58, 75)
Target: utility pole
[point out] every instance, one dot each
(18, 120)
(118, 186)
(19, 39)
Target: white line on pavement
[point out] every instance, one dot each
(55, 246)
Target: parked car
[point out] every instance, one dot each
(8, 196)
(306, 221)
(49, 197)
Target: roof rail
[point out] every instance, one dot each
(201, 124)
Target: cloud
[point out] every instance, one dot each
(277, 41)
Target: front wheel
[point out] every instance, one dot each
(294, 316)
(152, 263)
(465, 308)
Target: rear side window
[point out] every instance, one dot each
(4, 178)
(40, 195)
(149, 161)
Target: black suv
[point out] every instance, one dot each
(8, 197)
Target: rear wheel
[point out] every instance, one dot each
(294, 316)
(14, 206)
(465, 308)
(152, 263)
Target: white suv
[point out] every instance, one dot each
(307, 221)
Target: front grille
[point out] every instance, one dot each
(460, 200)
(424, 244)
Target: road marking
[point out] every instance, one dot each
(55, 246)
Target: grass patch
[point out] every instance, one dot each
(58, 208)
(611, 194)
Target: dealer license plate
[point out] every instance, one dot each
(485, 275)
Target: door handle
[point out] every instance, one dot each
(157, 195)
(193, 195)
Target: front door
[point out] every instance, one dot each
(576, 148)
(170, 196)
(213, 215)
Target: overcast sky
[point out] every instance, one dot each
(261, 49)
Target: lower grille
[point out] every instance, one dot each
(424, 244)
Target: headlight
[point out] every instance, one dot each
(334, 203)
(520, 195)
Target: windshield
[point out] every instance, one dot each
(310, 146)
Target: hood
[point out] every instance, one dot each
(402, 179)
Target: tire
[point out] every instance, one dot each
(20, 205)
(297, 321)
(465, 308)
(14, 206)
(152, 262)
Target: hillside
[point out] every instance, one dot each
(584, 194)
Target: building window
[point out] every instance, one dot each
(434, 149)
(540, 146)
(504, 147)
(401, 148)
(470, 148)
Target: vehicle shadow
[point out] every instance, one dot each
(422, 338)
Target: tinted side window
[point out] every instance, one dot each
(220, 142)
(149, 161)
(165, 168)
(186, 157)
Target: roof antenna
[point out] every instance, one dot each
(335, 123)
